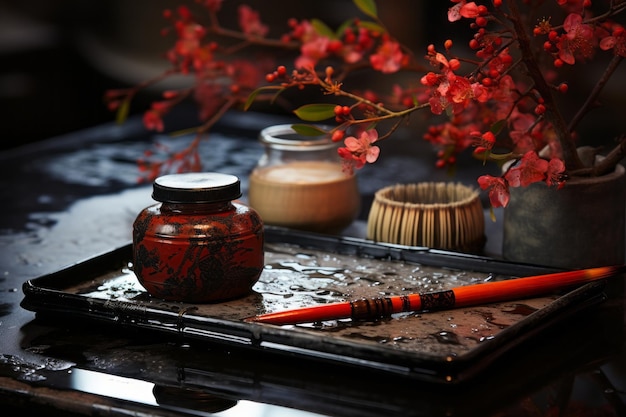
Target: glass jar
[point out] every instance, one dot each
(299, 183)
(198, 244)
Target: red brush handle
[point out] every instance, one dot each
(483, 293)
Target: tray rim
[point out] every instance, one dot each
(40, 296)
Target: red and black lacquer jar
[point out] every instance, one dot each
(198, 244)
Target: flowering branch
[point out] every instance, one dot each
(503, 104)
(552, 111)
(597, 89)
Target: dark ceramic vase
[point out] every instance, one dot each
(581, 225)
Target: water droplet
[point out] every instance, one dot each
(447, 337)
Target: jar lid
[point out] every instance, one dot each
(197, 187)
(284, 137)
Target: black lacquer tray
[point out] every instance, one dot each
(446, 347)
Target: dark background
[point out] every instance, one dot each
(57, 58)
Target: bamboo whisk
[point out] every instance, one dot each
(435, 215)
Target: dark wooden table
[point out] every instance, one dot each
(73, 197)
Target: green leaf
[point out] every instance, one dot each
(315, 112)
(322, 29)
(498, 126)
(500, 156)
(487, 155)
(342, 28)
(308, 130)
(122, 112)
(259, 90)
(372, 26)
(184, 132)
(367, 6)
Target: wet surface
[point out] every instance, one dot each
(436, 346)
(74, 197)
(296, 277)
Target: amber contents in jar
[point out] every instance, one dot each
(299, 183)
(198, 244)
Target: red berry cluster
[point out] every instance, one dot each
(342, 113)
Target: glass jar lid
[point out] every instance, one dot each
(196, 187)
(284, 137)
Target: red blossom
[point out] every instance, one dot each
(497, 91)
(209, 97)
(212, 5)
(502, 97)
(470, 10)
(484, 142)
(573, 6)
(152, 120)
(455, 136)
(554, 174)
(312, 51)
(530, 169)
(463, 9)
(456, 92)
(578, 40)
(188, 53)
(250, 22)
(523, 129)
(449, 90)
(246, 74)
(616, 41)
(498, 190)
(388, 57)
(353, 48)
(314, 47)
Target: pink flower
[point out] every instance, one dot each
(360, 150)
(388, 57)
(454, 12)
(312, 51)
(250, 22)
(462, 9)
(352, 54)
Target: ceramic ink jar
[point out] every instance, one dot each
(198, 244)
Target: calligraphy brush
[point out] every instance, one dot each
(463, 296)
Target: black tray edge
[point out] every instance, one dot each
(267, 337)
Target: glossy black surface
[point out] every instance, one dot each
(438, 347)
(73, 197)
